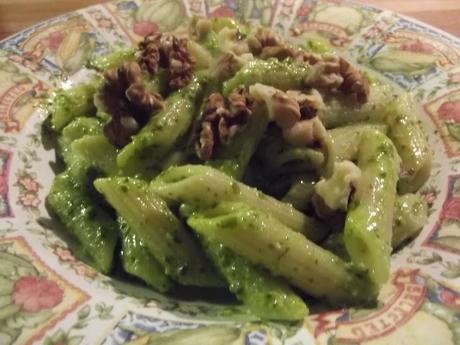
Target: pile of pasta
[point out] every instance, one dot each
(233, 160)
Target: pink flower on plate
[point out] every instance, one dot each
(450, 111)
(145, 28)
(222, 11)
(451, 210)
(54, 40)
(417, 46)
(64, 254)
(33, 294)
(29, 200)
(29, 183)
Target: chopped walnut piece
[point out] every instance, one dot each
(266, 44)
(205, 143)
(354, 82)
(128, 102)
(228, 65)
(262, 38)
(138, 95)
(219, 122)
(149, 49)
(335, 73)
(239, 103)
(170, 52)
(280, 52)
(309, 104)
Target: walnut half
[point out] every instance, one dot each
(220, 121)
(335, 73)
(170, 52)
(128, 102)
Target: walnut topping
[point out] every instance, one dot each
(354, 82)
(335, 73)
(227, 65)
(328, 70)
(261, 39)
(167, 51)
(128, 102)
(266, 44)
(219, 122)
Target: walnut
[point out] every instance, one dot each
(170, 52)
(149, 49)
(239, 103)
(280, 52)
(138, 95)
(228, 65)
(265, 44)
(262, 38)
(335, 73)
(309, 104)
(354, 82)
(205, 143)
(128, 102)
(219, 122)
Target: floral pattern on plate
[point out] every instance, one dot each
(103, 21)
(60, 46)
(415, 307)
(445, 234)
(19, 94)
(34, 298)
(140, 18)
(258, 11)
(136, 328)
(338, 22)
(406, 52)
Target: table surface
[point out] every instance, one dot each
(16, 15)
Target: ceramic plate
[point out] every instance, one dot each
(48, 296)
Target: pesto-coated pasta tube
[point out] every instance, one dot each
(162, 132)
(94, 229)
(411, 213)
(202, 186)
(162, 233)
(346, 139)
(264, 241)
(369, 220)
(264, 295)
(234, 158)
(399, 114)
(284, 75)
(138, 261)
(72, 103)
